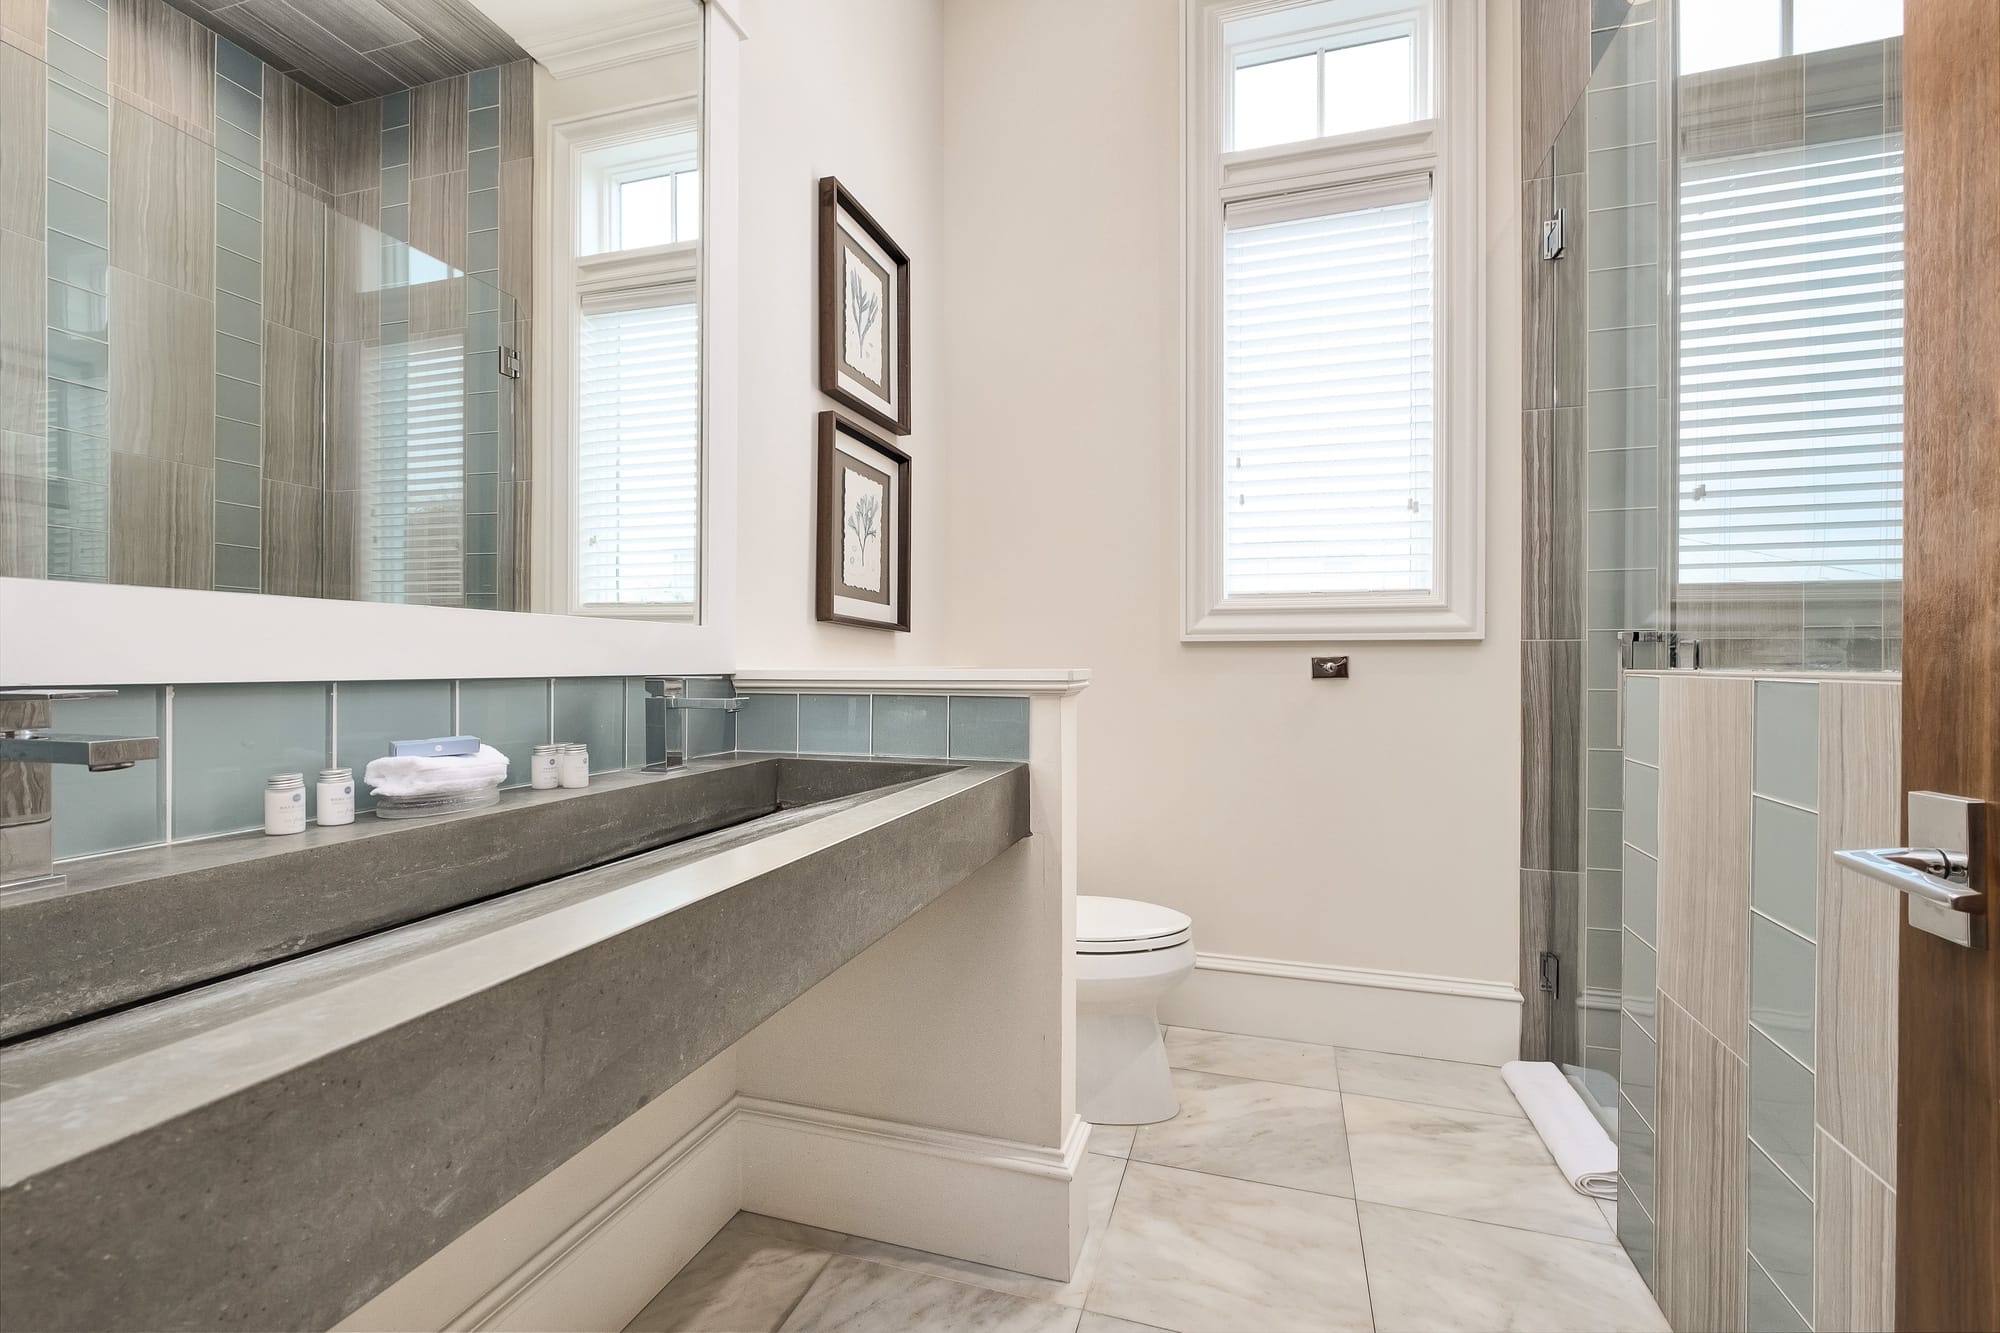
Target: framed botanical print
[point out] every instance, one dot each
(864, 312)
(864, 527)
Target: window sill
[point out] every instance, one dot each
(1281, 622)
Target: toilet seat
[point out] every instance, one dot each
(1126, 925)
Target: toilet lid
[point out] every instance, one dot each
(1126, 925)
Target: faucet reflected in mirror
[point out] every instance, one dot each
(28, 748)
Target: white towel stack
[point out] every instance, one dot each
(410, 775)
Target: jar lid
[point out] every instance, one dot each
(548, 749)
(574, 747)
(286, 780)
(336, 775)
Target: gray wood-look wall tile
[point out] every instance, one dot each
(438, 128)
(339, 543)
(354, 259)
(1555, 68)
(1552, 754)
(24, 550)
(1553, 502)
(1704, 830)
(349, 423)
(296, 260)
(1702, 1177)
(298, 132)
(521, 540)
(162, 526)
(517, 233)
(292, 521)
(163, 62)
(24, 297)
(517, 110)
(1538, 296)
(1860, 798)
(163, 377)
(23, 143)
(294, 380)
(417, 61)
(1549, 918)
(357, 147)
(1570, 281)
(438, 307)
(1854, 1262)
(437, 217)
(163, 202)
(1742, 108)
(24, 24)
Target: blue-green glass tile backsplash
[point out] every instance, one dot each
(220, 742)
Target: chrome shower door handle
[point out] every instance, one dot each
(1941, 872)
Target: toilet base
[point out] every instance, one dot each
(1122, 1072)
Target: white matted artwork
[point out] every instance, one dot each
(863, 574)
(864, 312)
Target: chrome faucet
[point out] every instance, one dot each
(27, 798)
(668, 700)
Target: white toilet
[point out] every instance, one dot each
(1128, 955)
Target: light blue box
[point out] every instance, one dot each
(228, 739)
(591, 710)
(374, 713)
(912, 726)
(768, 723)
(834, 724)
(105, 812)
(988, 728)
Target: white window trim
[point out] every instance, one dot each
(572, 279)
(1451, 147)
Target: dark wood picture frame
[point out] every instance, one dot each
(828, 525)
(834, 200)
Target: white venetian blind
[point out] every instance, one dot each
(414, 536)
(638, 452)
(1327, 393)
(1791, 365)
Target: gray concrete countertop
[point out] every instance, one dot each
(271, 1150)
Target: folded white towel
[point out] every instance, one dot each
(436, 775)
(1583, 1151)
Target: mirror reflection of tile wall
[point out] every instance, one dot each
(250, 339)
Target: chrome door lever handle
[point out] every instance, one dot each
(1942, 875)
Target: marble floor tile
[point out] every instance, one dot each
(1104, 1323)
(854, 1294)
(1411, 1078)
(1609, 1207)
(1101, 1177)
(1113, 1140)
(1429, 1274)
(1201, 1252)
(1272, 1133)
(742, 1281)
(1469, 1164)
(1254, 1057)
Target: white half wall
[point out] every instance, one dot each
(1369, 824)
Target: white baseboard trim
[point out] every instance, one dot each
(970, 1196)
(1408, 1013)
(988, 1200)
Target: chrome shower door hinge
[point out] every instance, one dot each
(1551, 973)
(510, 363)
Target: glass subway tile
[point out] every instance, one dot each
(229, 738)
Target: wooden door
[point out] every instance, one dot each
(1948, 1154)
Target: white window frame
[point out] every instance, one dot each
(1450, 147)
(578, 198)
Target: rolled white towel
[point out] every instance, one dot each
(1583, 1151)
(436, 775)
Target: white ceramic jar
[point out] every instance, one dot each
(573, 765)
(285, 803)
(544, 768)
(336, 796)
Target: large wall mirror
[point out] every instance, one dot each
(268, 277)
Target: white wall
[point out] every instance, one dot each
(1370, 823)
(847, 88)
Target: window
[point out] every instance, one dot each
(1333, 301)
(1791, 366)
(631, 478)
(1718, 34)
(413, 475)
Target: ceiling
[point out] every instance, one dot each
(350, 50)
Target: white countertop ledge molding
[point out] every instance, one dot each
(914, 680)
